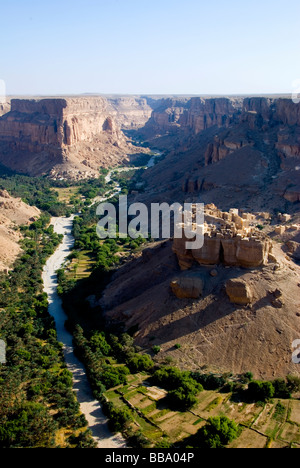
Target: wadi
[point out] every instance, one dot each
(175, 340)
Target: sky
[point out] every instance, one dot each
(193, 47)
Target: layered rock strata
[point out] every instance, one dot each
(61, 137)
(229, 239)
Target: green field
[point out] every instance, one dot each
(271, 425)
(80, 267)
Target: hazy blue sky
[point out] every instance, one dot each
(149, 47)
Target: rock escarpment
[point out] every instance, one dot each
(192, 115)
(64, 138)
(234, 152)
(4, 107)
(129, 112)
(229, 239)
(251, 330)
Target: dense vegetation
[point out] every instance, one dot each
(218, 433)
(182, 388)
(36, 397)
(42, 192)
(36, 192)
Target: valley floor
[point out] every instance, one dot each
(265, 425)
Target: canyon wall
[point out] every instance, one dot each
(69, 137)
(193, 115)
(216, 146)
(198, 114)
(129, 112)
(4, 107)
(55, 122)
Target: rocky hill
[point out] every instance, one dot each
(227, 316)
(62, 138)
(13, 213)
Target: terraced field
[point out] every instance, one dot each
(271, 425)
(81, 267)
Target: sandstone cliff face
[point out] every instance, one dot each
(129, 112)
(55, 122)
(4, 107)
(228, 239)
(70, 137)
(223, 145)
(244, 150)
(206, 113)
(192, 115)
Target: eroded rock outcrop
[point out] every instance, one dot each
(239, 292)
(13, 212)
(187, 287)
(4, 107)
(129, 112)
(229, 239)
(61, 137)
(192, 115)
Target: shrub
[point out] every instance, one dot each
(164, 444)
(183, 389)
(261, 391)
(118, 418)
(281, 389)
(293, 383)
(98, 343)
(209, 381)
(183, 397)
(218, 432)
(114, 376)
(140, 362)
(137, 440)
(247, 377)
(156, 349)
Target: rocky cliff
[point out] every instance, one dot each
(243, 152)
(4, 107)
(225, 318)
(13, 213)
(192, 115)
(129, 112)
(65, 138)
(229, 239)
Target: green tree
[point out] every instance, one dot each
(28, 426)
(98, 343)
(261, 391)
(218, 432)
(140, 362)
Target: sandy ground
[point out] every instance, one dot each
(89, 406)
